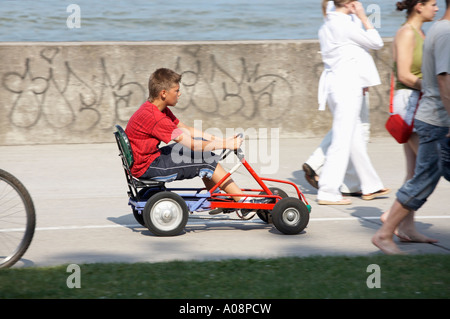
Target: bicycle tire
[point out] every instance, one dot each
(13, 195)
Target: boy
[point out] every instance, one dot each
(153, 122)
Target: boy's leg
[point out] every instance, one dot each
(187, 164)
(228, 186)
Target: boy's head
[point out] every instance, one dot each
(162, 79)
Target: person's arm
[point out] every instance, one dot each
(358, 10)
(370, 38)
(444, 89)
(198, 140)
(195, 133)
(404, 51)
(442, 49)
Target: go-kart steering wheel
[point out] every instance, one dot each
(225, 152)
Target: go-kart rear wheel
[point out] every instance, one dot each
(264, 214)
(290, 215)
(139, 218)
(166, 214)
(143, 195)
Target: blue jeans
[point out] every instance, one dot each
(414, 193)
(445, 158)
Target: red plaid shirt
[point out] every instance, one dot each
(147, 127)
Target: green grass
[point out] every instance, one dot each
(417, 276)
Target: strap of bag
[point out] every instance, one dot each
(391, 101)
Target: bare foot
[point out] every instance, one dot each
(401, 235)
(414, 237)
(386, 245)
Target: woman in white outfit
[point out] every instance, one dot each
(313, 166)
(341, 85)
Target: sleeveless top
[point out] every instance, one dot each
(416, 66)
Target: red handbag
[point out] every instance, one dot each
(396, 125)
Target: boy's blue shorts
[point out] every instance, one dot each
(177, 163)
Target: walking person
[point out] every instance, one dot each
(342, 87)
(313, 165)
(432, 124)
(407, 56)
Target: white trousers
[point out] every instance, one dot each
(316, 160)
(347, 143)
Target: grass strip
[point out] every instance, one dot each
(335, 277)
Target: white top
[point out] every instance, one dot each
(344, 46)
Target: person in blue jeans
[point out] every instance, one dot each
(432, 124)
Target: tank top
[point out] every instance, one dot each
(416, 66)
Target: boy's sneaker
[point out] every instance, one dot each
(249, 213)
(220, 210)
(216, 211)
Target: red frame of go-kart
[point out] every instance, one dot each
(220, 202)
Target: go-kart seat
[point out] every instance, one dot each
(126, 155)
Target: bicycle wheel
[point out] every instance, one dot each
(17, 219)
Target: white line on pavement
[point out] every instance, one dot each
(208, 221)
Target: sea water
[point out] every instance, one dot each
(177, 20)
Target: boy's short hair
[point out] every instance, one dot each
(162, 79)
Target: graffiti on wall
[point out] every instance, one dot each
(246, 91)
(61, 96)
(72, 102)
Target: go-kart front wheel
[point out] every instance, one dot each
(290, 215)
(166, 214)
(265, 215)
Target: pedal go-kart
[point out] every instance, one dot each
(165, 211)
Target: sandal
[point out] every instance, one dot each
(379, 193)
(344, 201)
(310, 176)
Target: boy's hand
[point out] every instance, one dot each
(233, 143)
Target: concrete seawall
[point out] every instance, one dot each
(76, 92)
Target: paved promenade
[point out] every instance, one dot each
(79, 191)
